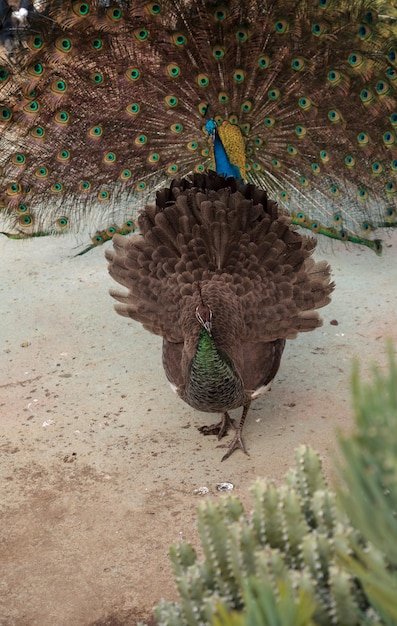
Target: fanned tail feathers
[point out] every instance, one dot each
(108, 101)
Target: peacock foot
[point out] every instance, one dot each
(235, 444)
(220, 429)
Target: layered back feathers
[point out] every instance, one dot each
(223, 243)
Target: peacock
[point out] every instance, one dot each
(106, 101)
(107, 104)
(219, 273)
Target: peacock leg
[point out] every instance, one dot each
(237, 441)
(221, 428)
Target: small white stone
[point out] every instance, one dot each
(201, 491)
(225, 486)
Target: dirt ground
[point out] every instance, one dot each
(99, 460)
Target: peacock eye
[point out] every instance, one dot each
(239, 76)
(153, 8)
(115, 14)
(37, 132)
(179, 40)
(81, 9)
(218, 52)
(97, 78)
(5, 114)
(173, 70)
(97, 44)
(133, 74)
(126, 174)
(62, 222)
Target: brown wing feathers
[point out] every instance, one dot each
(210, 230)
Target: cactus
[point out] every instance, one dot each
(370, 495)
(303, 557)
(285, 550)
(263, 606)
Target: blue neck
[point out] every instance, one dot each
(222, 163)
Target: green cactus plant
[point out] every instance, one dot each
(304, 557)
(263, 607)
(370, 495)
(289, 542)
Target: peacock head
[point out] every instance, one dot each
(204, 316)
(210, 127)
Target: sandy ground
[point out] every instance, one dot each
(100, 460)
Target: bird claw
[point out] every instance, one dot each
(235, 444)
(220, 429)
